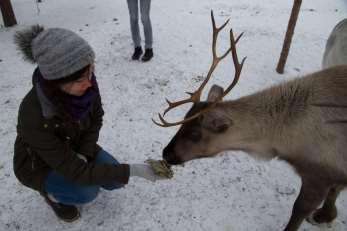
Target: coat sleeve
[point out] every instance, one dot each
(58, 155)
(89, 139)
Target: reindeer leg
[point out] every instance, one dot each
(312, 193)
(328, 212)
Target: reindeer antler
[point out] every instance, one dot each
(195, 96)
(238, 66)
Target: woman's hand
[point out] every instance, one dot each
(145, 171)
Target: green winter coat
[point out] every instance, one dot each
(50, 143)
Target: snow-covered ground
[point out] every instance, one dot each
(231, 192)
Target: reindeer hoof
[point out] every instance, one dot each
(322, 216)
(311, 219)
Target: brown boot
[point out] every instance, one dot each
(137, 53)
(148, 55)
(67, 213)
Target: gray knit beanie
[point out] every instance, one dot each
(58, 52)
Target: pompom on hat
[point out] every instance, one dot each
(58, 52)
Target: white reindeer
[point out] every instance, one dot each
(336, 47)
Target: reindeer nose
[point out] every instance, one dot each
(170, 157)
(166, 154)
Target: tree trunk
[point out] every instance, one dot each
(289, 36)
(7, 13)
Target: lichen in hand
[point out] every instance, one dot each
(161, 168)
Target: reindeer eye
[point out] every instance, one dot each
(195, 136)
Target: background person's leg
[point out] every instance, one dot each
(66, 192)
(145, 7)
(104, 157)
(134, 22)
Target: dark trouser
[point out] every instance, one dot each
(66, 192)
(145, 6)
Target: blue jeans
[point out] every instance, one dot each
(145, 6)
(67, 192)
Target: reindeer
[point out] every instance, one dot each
(336, 47)
(302, 122)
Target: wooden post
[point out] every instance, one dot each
(7, 13)
(289, 36)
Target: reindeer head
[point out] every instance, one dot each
(204, 125)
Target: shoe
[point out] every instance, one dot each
(137, 53)
(148, 55)
(67, 213)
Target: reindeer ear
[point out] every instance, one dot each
(216, 122)
(215, 94)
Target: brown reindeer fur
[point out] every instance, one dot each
(303, 122)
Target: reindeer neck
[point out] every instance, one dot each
(261, 120)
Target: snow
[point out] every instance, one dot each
(229, 192)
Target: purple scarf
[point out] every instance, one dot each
(78, 107)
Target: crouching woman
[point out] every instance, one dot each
(56, 150)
